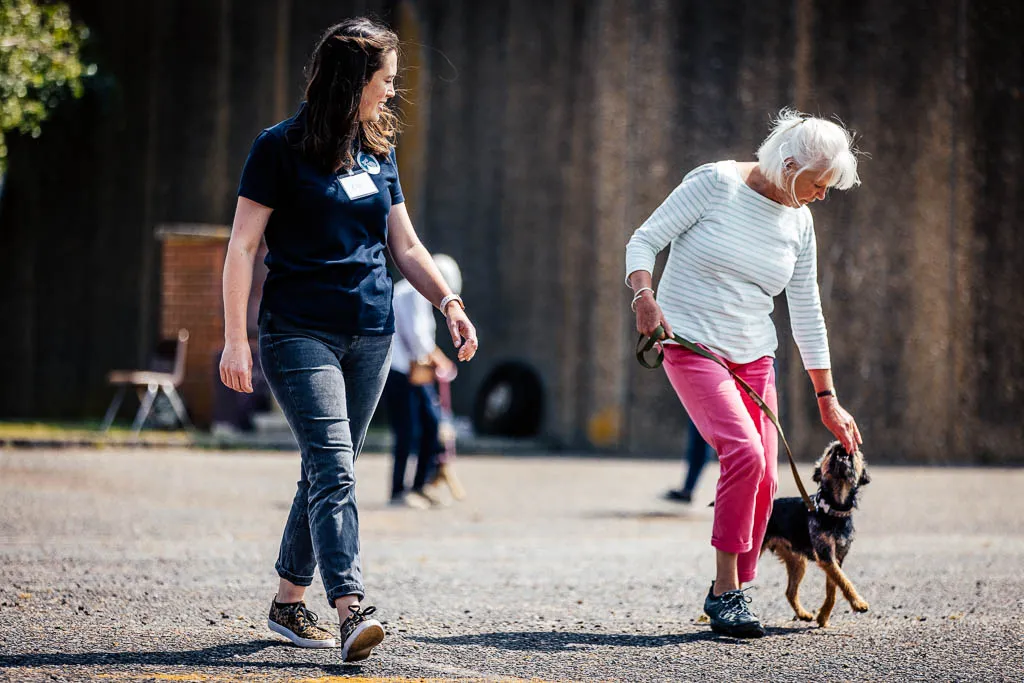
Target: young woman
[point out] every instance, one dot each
(322, 187)
(741, 233)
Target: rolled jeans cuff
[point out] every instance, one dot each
(294, 578)
(343, 590)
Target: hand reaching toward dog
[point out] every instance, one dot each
(840, 423)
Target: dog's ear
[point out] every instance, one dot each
(817, 474)
(865, 479)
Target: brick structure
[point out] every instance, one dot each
(190, 295)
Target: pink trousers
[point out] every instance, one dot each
(744, 438)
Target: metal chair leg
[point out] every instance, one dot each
(115, 405)
(179, 407)
(145, 406)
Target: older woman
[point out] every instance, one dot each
(741, 233)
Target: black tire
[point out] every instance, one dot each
(510, 402)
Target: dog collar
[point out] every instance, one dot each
(821, 505)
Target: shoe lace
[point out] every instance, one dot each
(735, 602)
(303, 616)
(358, 613)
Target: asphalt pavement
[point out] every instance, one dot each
(157, 565)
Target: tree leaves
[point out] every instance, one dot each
(39, 64)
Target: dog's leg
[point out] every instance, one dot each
(830, 601)
(835, 573)
(795, 567)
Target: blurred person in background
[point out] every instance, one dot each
(696, 458)
(410, 395)
(322, 187)
(741, 234)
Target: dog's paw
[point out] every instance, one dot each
(859, 606)
(823, 623)
(804, 615)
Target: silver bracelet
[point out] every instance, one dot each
(447, 300)
(637, 295)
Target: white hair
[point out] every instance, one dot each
(813, 144)
(449, 271)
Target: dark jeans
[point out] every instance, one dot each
(414, 414)
(328, 386)
(696, 457)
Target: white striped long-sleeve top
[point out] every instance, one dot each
(733, 250)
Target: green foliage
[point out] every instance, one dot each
(39, 64)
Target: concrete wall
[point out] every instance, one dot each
(583, 116)
(541, 134)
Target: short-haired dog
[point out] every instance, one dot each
(824, 536)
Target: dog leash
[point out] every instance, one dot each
(643, 347)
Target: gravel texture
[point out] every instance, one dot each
(140, 565)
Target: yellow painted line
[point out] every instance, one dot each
(184, 678)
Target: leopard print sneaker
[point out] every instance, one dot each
(360, 634)
(298, 624)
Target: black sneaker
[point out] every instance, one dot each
(679, 496)
(730, 615)
(298, 624)
(359, 634)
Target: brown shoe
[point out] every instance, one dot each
(360, 634)
(298, 624)
(446, 474)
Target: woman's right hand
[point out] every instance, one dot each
(649, 316)
(236, 366)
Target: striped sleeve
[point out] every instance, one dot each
(677, 214)
(804, 301)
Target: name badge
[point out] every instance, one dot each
(358, 186)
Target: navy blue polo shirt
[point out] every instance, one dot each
(326, 260)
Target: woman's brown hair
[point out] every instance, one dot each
(344, 61)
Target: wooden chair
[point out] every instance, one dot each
(147, 385)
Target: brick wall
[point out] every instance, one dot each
(193, 260)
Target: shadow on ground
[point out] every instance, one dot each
(233, 655)
(647, 515)
(554, 641)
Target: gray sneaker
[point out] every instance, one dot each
(730, 615)
(360, 634)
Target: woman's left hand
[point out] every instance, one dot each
(840, 423)
(462, 331)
